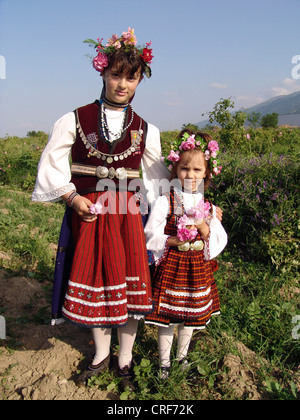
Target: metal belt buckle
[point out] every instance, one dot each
(103, 172)
(195, 246)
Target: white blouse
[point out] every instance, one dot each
(54, 173)
(156, 240)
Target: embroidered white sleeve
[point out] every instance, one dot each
(217, 238)
(54, 175)
(153, 169)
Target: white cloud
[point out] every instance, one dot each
(217, 85)
(286, 87)
(246, 101)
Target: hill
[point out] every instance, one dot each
(282, 105)
(286, 106)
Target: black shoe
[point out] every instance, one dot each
(127, 375)
(93, 370)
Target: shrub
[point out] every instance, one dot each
(19, 159)
(260, 198)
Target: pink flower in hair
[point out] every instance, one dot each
(129, 37)
(189, 144)
(114, 41)
(100, 62)
(207, 154)
(173, 156)
(213, 146)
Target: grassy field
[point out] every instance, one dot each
(252, 350)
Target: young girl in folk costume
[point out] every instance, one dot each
(184, 234)
(109, 284)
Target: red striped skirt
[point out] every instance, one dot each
(110, 277)
(184, 290)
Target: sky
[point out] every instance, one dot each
(203, 51)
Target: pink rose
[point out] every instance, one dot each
(207, 154)
(173, 156)
(187, 145)
(183, 221)
(100, 62)
(96, 208)
(200, 211)
(185, 234)
(213, 146)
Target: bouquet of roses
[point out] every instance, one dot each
(186, 230)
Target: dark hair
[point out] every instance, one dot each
(207, 138)
(127, 62)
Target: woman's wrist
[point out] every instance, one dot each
(69, 198)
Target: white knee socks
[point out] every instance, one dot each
(126, 336)
(165, 340)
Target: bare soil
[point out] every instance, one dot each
(45, 358)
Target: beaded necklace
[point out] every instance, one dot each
(109, 158)
(104, 125)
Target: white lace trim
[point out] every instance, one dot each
(54, 195)
(187, 294)
(96, 304)
(165, 252)
(190, 310)
(96, 289)
(98, 319)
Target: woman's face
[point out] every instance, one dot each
(120, 87)
(191, 170)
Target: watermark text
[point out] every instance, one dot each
(296, 68)
(2, 328)
(2, 67)
(296, 329)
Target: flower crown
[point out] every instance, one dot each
(128, 42)
(194, 141)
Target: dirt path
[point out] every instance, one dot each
(38, 362)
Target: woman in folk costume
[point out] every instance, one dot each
(184, 234)
(109, 283)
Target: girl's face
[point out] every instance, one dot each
(191, 170)
(120, 87)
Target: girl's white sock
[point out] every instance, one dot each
(184, 339)
(165, 340)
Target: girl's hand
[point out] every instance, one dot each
(219, 213)
(175, 241)
(203, 229)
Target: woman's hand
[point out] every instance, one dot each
(82, 207)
